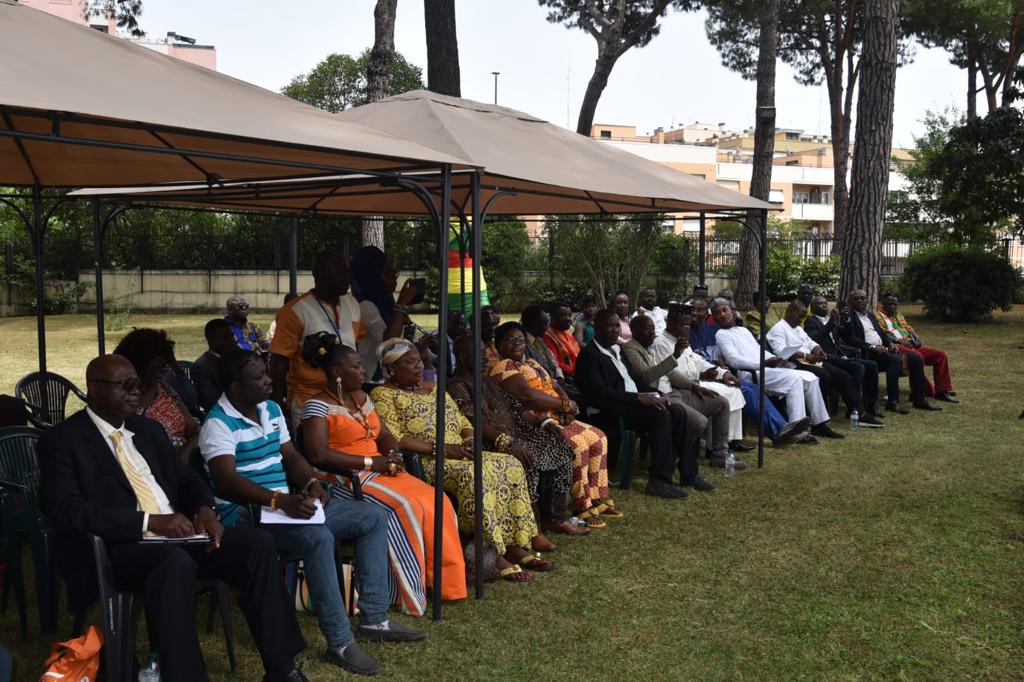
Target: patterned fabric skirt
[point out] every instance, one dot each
(589, 466)
(507, 515)
(410, 502)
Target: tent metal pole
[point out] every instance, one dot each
(97, 249)
(478, 418)
(442, 382)
(38, 241)
(762, 257)
(702, 251)
(293, 256)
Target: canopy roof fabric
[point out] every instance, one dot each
(79, 107)
(542, 169)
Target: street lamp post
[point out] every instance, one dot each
(495, 74)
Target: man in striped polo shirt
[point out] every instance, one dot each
(251, 459)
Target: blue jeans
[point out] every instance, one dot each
(346, 520)
(773, 419)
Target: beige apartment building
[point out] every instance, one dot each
(802, 179)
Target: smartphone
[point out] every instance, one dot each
(420, 285)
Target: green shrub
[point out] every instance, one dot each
(783, 273)
(957, 283)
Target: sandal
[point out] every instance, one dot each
(535, 562)
(592, 520)
(515, 574)
(606, 507)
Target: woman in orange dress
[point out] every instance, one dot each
(341, 430)
(537, 390)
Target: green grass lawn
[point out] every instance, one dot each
(892, 554)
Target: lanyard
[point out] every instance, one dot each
(330, 319)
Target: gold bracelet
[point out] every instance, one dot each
(273, 499)
(367, 463)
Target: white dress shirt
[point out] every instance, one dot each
(628, 384)
(658, 314)
(787, 340)
(136, 459)
(870, 335)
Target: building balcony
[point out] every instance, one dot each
(816, 212)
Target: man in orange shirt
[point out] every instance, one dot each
(560, 340)
(327, 307)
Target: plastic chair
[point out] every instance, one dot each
(49, 392)
(19, 466)
(186, 366)
(120, 608)
(10, 555)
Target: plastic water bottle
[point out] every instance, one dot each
(854, 420)
(151, 671)
(730, 464)
(577, 522)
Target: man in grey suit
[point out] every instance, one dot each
(219, 338)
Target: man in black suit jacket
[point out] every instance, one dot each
(604, 383)
(219, 338)
(859, 328)
(107, 472)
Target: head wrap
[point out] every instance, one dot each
(367, 268)
(390, 350)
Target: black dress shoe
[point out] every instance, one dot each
(825, 431)
(665, 490)
(395, 632)
(928, 405)
(294, 676)
(698, 483)
(719, 462)
(806, 439)
(896, 407)
(871, 421)
(947, 397)
(353, 659)
(740, 446)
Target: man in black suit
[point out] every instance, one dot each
(605, 383)
(107, 472)
(859, 328)
(219, 338)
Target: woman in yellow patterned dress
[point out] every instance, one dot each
(408, 405)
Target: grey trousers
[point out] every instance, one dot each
(699, 411)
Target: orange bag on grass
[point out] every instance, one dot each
(76, 660)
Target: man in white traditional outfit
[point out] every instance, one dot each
(799, 388)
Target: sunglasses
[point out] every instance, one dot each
(125, 384)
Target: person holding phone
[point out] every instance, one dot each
(374, 280)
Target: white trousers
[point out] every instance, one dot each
(736, 403)
(801, 392)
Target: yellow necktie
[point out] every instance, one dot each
(143, 493)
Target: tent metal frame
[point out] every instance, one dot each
(439, 206)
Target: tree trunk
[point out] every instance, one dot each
(841, 154)
(972, 88)
(764, 151)
(378, 86)
(862, 248)
(598, 81)
(442, 47)
(378, 71)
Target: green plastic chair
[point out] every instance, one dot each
(32, 388)
(10, 554)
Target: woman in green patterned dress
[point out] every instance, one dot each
(408, 404)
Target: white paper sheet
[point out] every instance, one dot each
(276, 516)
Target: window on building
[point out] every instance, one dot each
(606, 134)
(792, 136)
(794, 162)
(776, 196)
(826, 198)
(699, 175)
(800, 197)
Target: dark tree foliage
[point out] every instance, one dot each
(340, 81)
(124, 12)
(617, 26)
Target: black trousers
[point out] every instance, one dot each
(831, 376)
(167, 575)
(666, 433)
(892, 365)
(864, 374)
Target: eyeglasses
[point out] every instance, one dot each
(515, 340)
(128, 385)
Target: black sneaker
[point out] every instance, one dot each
(395, 632)
(698, 483)
(353, 659)
(665, 490)
(826, 431)
(789, 432)
(871, 421)
(893, 406)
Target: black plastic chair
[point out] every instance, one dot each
(32, 388)
(186, 366)
(10, 555)
(120, 609)
(18, 465)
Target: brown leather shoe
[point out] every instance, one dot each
(563, 528)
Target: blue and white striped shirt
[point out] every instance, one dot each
(255, 447)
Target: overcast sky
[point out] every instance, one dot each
(544, 67)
